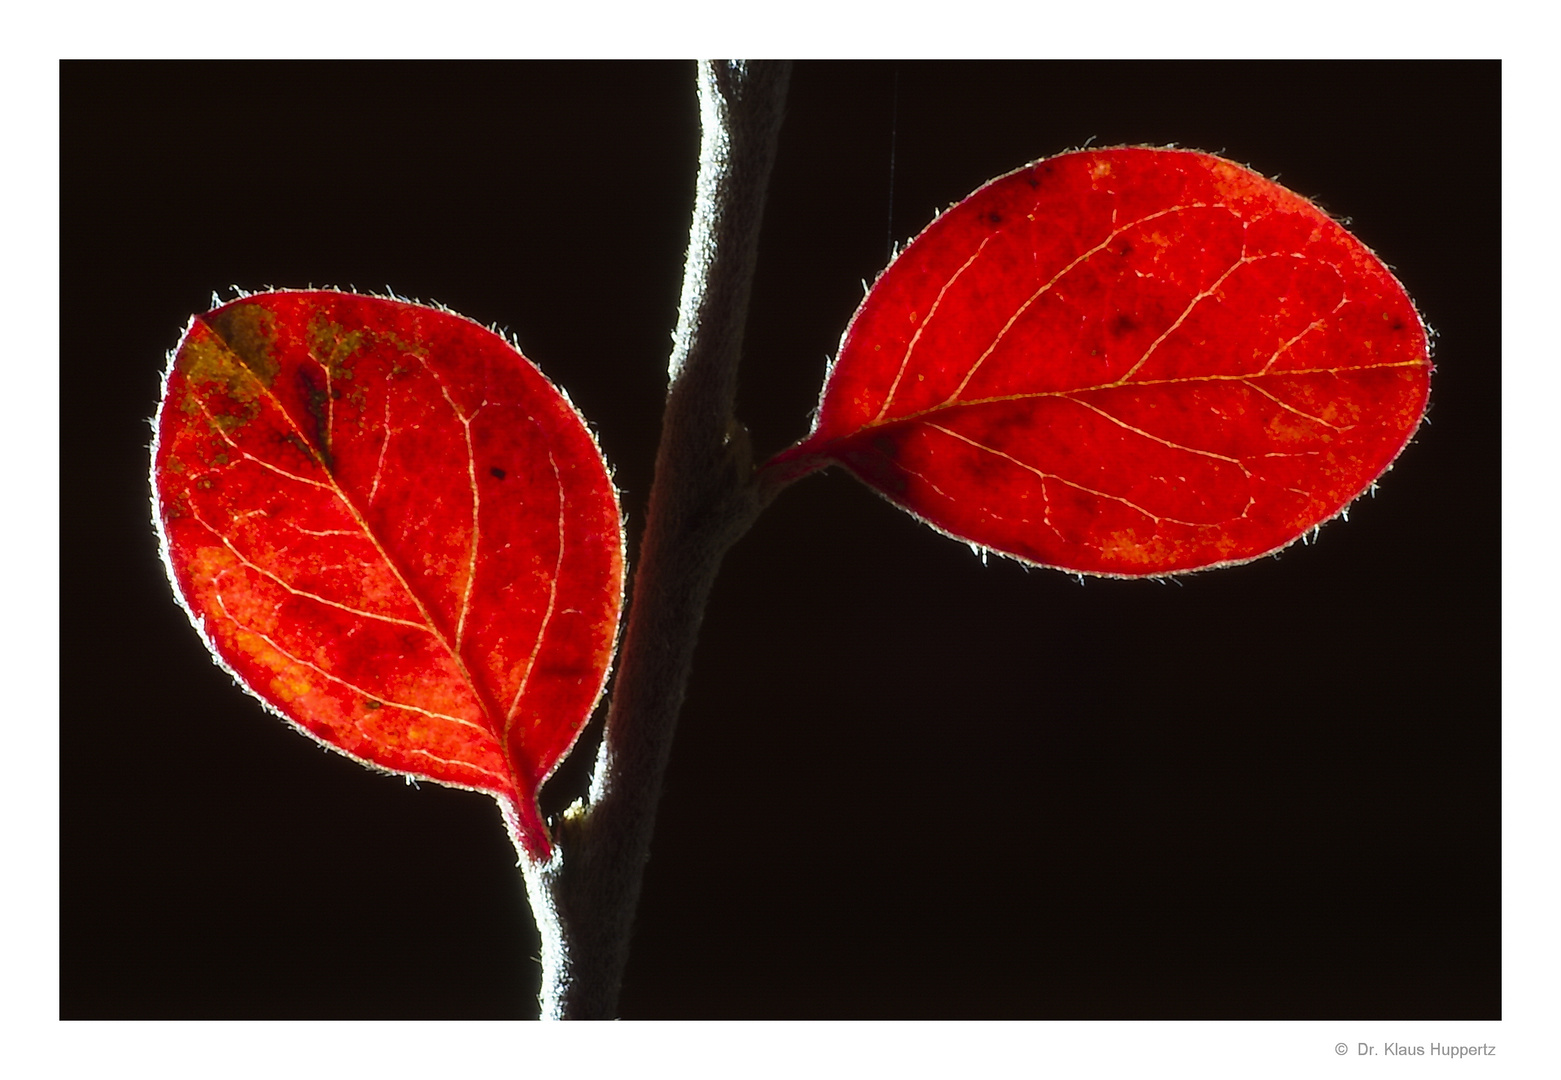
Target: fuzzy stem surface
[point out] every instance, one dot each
(702, 500)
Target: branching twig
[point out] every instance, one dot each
(701, 501)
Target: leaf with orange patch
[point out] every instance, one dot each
(1126, 362)
(395, 532)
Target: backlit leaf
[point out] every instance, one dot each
(1126, 362)
(396, 533)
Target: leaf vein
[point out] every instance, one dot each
(1157, 518)
(372, 695)
(1035, 395)
(1150, 435)
(1058, 276)
(547, 615)
(293, 589)
(1291, 408)
(905, 361)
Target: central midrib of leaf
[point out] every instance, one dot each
(951, 408)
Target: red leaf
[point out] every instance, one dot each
(396, 533)
(1126, 362)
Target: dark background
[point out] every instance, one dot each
(906, 784)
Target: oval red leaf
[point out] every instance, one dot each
(1126, 362)
(395, 532)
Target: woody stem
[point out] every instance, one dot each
(702, 500)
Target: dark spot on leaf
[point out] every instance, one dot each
(247, 330)
(994, 217)
(315, 398)
(873, 459)
(497, 473)
(371, 704)
(293, 440)
(1123, 324)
